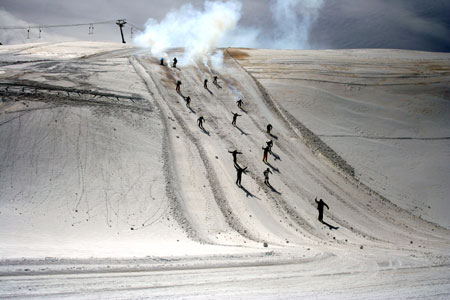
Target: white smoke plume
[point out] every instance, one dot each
(293, 20)
(198, 31)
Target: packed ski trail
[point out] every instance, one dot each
(144, 179)
(300, 175)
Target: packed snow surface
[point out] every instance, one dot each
(109, 189)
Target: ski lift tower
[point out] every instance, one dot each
(121, 23)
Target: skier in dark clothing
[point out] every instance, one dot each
(161, 61)
(205, 84)
(269, 128)
(188, 101)
(200, 122)
(178, 86)
(175, 62)
(270, 144)
(266, 176)
(320, 205)
(239, 174)
(216, 83)
(266, 151)
(235, 153)
(239, 103)
(235, 115)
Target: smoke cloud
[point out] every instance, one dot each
(201, 31)
(293, 20)
(198, 31)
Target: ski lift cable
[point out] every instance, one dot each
(57, 25)
(134, 26)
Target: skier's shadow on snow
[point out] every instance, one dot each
(243, 110)
(273, 136)
(276, 156)
(273, 189)
(218, 85)
(192, 110)
(248, 194)
(205, 131)
(181, 94)
(210, 92)
(242, 131)
(273, 168)
(331, 227)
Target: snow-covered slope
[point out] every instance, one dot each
(386, 112)
(100, 157)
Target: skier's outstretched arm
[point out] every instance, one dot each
(326, 206)
(316, 200)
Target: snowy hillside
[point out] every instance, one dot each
(386, 112)
(103, 169)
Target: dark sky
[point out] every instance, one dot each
(400, 24)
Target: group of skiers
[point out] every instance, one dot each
(266, 150)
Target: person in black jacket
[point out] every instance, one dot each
(320, 205)
(235, 115)
(239, 171)
(200, 122)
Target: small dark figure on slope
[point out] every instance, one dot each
(239, 171)
(266, 176)
(235, 115)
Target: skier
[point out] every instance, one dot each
(270, 144)
(269, 128)
(175, 62)
(266, 176)
(320, 205)
(235, 115)
(200, 122)
(235, 153)
(266, 151)
(161, 61)
(239, 103)
(215, 80)
(205, 84)
(239, 174)
(188, 101)
(178, 86)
